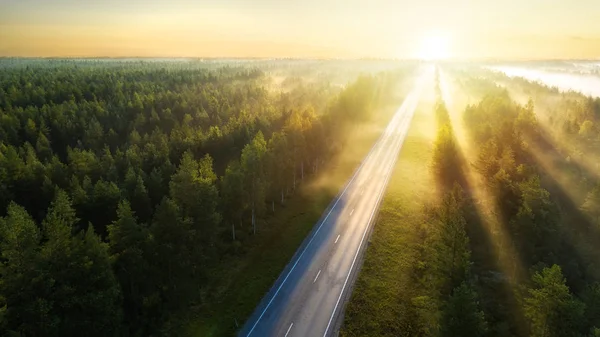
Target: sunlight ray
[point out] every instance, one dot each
(507, 257)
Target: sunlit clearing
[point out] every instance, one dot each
(434, 47)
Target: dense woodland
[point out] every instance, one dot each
(123, 182)
(440, 296)
(524, 260)
(508, 246)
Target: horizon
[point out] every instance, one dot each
(266, 58)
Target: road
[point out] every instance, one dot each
(308, 297)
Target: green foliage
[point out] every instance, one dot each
(549, 306)
(392, 295)
(357, 100)
(139, 153)
(38, 279)
(537, 219)
(95, 294)
(445, 154)
(176, 258)
(232, 194)
(253, 167)
(451, 256)
(535, 224)
(128, 244)
(279, 163)
(591, 205)
(586, 130)
(193, 188)
(18, 290)
(462, 315)
(591, 299)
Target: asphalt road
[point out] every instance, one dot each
(308, 297)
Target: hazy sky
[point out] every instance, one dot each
(292, 28)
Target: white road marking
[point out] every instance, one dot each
(397, 119)
(290, 328)
(400, 141)
(362, 191)
(336, 239)
(316, 277)
(352, 211)
(358, 170)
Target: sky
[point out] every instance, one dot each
(523, 29)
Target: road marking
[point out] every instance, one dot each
(290, 328)
(337, 238)
(399, 146)
(356, 173)
(352, 211)
(316, 277)
(407, 102)
(362, 191)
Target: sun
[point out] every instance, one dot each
(434, 47)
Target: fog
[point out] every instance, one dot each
(563, 80)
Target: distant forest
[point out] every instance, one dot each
(123, 182)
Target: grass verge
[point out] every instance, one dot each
(382, 288)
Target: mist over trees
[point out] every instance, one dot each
(500, 238)
(122, 183)
(527, 156)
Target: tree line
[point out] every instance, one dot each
(443, 299)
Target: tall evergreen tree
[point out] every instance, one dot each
(232, 193)
(550, 307)
(461, 315)
(26, 312)
(77, 267)
(128, 241)
(253, 162)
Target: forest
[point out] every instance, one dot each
(123, 183)
(508, 245)
(130, 188)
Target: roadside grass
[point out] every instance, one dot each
(242, 280)
(249, 277)
(383, 290)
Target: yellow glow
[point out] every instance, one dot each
(434, 47)
(268, 28)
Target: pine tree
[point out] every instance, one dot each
(232, 193)
(77, 268)
(451, 250)
(549, 306)
(176, 266)
(591, 205)
(128, 241)
(253, 162)
(26, 312)
(461, 315)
